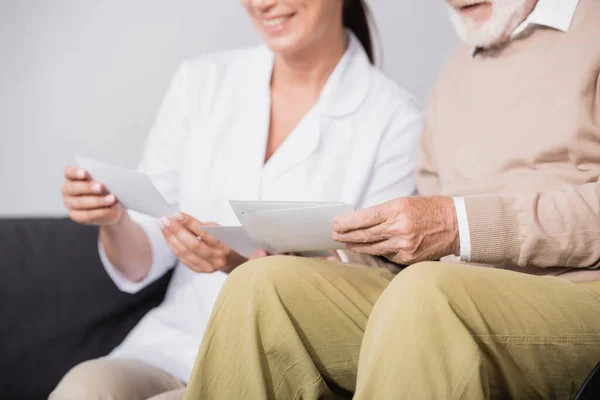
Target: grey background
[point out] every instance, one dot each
(87, 76)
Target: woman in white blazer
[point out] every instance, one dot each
(304, 117)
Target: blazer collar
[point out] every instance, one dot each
(348, 86)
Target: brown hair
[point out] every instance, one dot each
(356, 18)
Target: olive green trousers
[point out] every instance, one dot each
(297, 328)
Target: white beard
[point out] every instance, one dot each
(505, 19)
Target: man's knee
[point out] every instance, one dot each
(426, 282)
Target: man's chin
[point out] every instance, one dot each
(478, 35)
(495, 31)
(476, 39)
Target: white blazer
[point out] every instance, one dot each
(358, 144)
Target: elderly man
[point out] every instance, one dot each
(509, 170)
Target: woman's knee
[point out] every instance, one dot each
(112, 378)
(88, 380)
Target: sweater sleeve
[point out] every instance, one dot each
(558, 228)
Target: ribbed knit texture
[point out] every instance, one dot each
(498, 240)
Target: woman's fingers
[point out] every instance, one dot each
(191, 223)
(94, 210)
(81, 188)
(195, 248)
(77, 184)
(76, 173)
(333, 256)
(187, 256)
(191, 249)
(258, 254)
(191, 240)
(89, 202)
(97, 216)
(195, 227)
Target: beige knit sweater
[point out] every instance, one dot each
(516, 132)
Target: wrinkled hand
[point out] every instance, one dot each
(88, 201)
(195, 248)
(405, 230)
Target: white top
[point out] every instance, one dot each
(358, 144)
(556, 14)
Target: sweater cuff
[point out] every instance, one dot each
(493, 229)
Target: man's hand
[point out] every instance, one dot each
(195, 248)
(405, 230)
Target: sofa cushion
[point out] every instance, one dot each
(58, 306)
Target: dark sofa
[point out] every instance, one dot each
(58, 307)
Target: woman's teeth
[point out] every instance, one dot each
(274, 21)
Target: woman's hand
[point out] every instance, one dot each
(88, 201)
(259, 254)
(195, 248)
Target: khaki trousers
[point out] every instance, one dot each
(117, 379)
(294, 328)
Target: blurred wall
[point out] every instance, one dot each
(87, 76)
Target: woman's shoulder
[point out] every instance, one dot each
(224, 74)
(388, 92)
(390, 108)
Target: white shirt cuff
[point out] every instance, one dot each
(163, 258)
(343, 256)
(463, 229)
